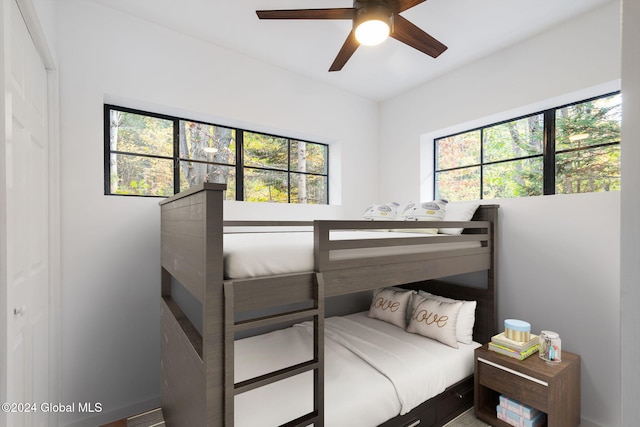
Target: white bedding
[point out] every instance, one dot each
(402, 371)
(265, 254)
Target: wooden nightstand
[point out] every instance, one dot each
(550, 388)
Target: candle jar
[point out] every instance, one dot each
(550, 347)
(517, 330)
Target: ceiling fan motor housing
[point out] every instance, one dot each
(372, 10)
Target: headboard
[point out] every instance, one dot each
(486, 294)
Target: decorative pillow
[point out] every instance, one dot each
(466, 316)
(459, 211)
(391, 305)
(424, 211)
(435, 319)
(385, 212)
(403, 207)
(413, 292)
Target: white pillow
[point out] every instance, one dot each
(391, 305)
(403, 207)
(459, 211)
(435, 319)
(387, 211)
(466, 316)
(424, 211)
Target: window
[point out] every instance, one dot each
(149, 154)
(207, 153)
(569, 149)
(587, 146)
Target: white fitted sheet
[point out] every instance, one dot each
(266, 254)
(356, 393)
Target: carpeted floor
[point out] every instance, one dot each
(467, 419)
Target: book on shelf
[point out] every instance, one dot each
(521, 355)
(501, 339)
(516, 420)
(520, 409)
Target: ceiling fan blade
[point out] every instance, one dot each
(336, 13)
(348, 48)
(408, 33)
(402, 5)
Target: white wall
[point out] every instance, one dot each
(110, 249)
(559, 255)
(559, 270)
(630, 222)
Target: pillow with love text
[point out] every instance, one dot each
(435, 319)
(390, 305)
(466, 316)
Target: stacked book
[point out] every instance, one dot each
(516, 349)
(517, 414)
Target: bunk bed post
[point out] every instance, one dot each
(490, 213)
(229, 354)
(213, 312)
(489, 318)
(193, 364)
(318, 350)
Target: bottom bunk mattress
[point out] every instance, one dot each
(374, 371)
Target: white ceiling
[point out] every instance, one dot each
(470, 28)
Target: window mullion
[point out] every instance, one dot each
(176, 156)
(289, 170)
(435, 167)
(481, 196)
(239, 165)
(549, 153)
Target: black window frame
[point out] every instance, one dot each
(176, 158)
(548, 154)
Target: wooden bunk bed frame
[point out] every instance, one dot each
(198, 386)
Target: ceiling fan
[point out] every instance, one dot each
(378, 17)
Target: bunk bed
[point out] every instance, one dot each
(198, 382)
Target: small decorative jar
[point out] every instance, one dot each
(517, 330)
(550, 347)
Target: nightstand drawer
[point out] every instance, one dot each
(512, 383)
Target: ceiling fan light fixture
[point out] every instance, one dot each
(372, 25)
(372, 32)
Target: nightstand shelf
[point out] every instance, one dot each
(551, 388)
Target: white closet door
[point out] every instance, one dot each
(26, 220)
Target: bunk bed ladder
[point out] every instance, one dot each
(232, 389)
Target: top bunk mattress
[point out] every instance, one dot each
(248, 255)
